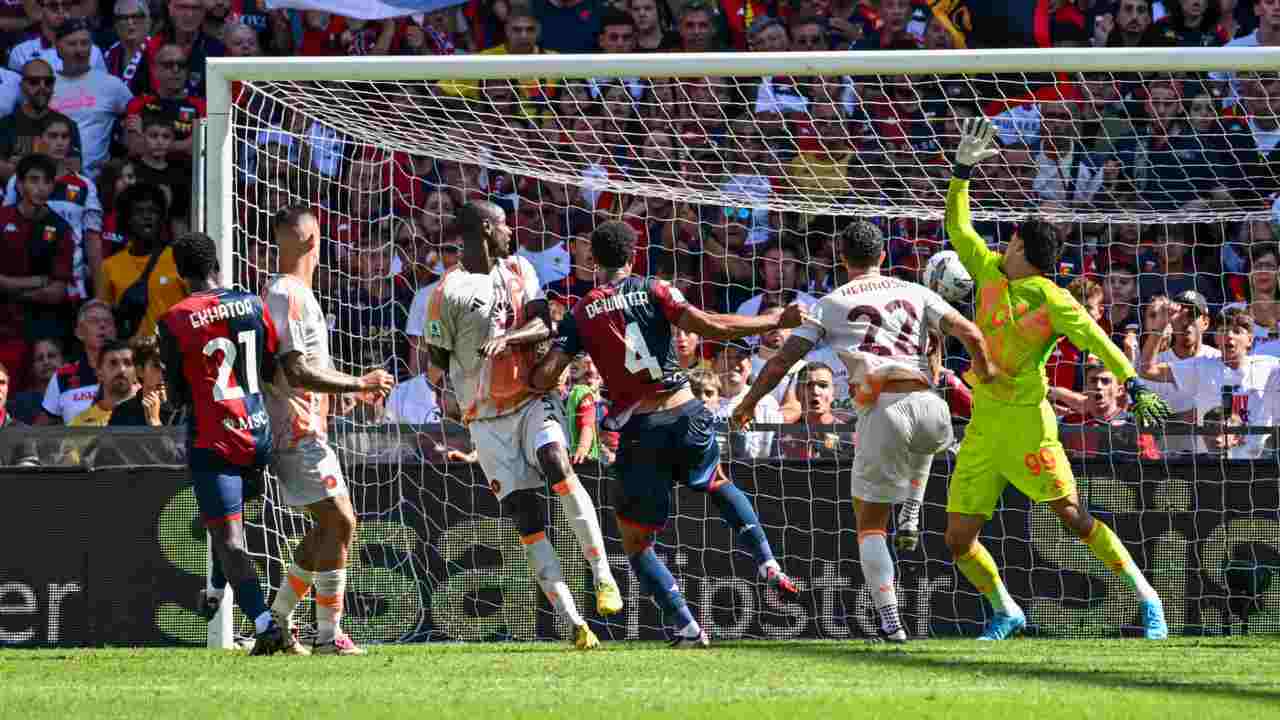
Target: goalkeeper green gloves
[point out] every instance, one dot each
(1147, 407)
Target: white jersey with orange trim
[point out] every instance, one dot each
(297, 414)
(466, 311)
(879, 326)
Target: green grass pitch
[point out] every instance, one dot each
(1236, 678)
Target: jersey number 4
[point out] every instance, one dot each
(639, 359)
(222, 389)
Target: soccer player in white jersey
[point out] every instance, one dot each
(305, 465)
(1252, 382)
(482, 322)
(879, 327)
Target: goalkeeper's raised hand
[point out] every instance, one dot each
(1148, 408)
(977, 142)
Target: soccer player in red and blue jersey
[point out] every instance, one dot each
(667, 435)
(219, 346)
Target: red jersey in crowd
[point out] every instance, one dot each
(32, 247)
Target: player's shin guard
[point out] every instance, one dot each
(980, 569)
(1107, 547)
(581, 513)
(546, 569)
(331, 586)
(657, 582)
(736, 510)
(877, 568)
(297, 583)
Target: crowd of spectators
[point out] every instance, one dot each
(100, 99)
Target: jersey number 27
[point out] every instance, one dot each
(222, 389)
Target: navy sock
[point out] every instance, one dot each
(217, 578)
(736, 510)
(249, 598)
(657, 582)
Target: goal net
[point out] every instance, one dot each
(738, 173)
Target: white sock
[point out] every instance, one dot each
(877, 568)
(545, 565)
(262, 622)
(331, 586)
(297, 582)
(215, 593)
(764, 568)
(581, 513)
(692, 630)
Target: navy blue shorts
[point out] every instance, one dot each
(221, 488)
(656, 452)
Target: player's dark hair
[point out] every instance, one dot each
(861, 244)
(110, 346)
(37, 161)
(196, 256)
(1040, 244)
(613, 244)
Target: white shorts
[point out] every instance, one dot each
(897, 440)
(308, 473)
(507, 446)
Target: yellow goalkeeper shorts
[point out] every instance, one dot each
(1006, 444)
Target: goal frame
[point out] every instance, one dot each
(214, 172)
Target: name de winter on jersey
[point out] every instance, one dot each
(627, 328)
(879, 326)
(219, 347)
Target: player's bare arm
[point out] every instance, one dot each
(958, 327)
(305, 374)
(1158, 326)
(792, 352)
(715, 326)
(546, 374)
(536, 329)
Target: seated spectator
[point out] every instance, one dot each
(695, 26)
(1219, 440)
(733, 362)
(39, 251)
(184, 27)
(150, 404)
(53, 14)
(91, 97)
(25, 453)
(46, 358)
(171, 102)
(1104, 407)
(816, 391)
(75, 385)
(705, 385)
(142, 211)
(115, 362)
(1251, 382)
(651, 29)
(20, 132)
(74, 198)
(786, 392)
(158, 165)
(126, 58)
(571, 288)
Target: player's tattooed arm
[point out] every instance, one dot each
(302, 373)
(955, 325)
(546, 374)
(536, 329)
(792, 352)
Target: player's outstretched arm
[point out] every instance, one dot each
(977, 135)
(546, 374)
(960, 328)
(302, 373)
(1157, 324)
(792, 352)
(536, 329)
(715, 326)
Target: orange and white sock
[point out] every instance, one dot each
(580, 511)
(297, 582)
(331, 586)
(545, 564)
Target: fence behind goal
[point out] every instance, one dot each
(738, 173)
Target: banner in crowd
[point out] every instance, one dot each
(366, 9)
(114, 557)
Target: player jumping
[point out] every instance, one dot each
(880, 326)
(626, 325)
(309, 474)
(1013, 436)
(482, 322)
(217, 345)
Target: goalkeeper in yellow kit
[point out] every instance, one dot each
(1013, 434)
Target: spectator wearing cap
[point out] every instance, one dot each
(126, 58)
(733, 363)
(1188, 23)
(92, 97)
(1187, 317)
(74, 198)
(39, 250)
(53, 15)
(20, 130)
(696, 26)
(74, 386)
(171, 99)
(1166, 162)
(1105, 408)
(651, 30)
(142, 210)
(185, 28)
(569, 26)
